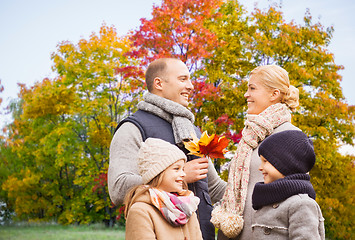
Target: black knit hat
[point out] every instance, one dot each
(289, 152)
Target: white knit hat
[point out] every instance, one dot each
(156, 155)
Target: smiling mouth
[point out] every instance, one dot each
(180, 182)
(185, 95)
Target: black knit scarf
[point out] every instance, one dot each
(281, 189)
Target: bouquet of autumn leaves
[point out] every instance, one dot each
(207, 146)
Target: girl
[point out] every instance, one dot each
(270, 98)
(161, 208)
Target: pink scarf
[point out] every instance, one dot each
(227, 214)
(175, 209)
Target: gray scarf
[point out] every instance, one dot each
(179, 116)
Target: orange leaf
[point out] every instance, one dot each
(216, 148)
(212, 146)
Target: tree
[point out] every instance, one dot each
(177, 29)
(62, 137)
(242, 42)
(224, 70)
(303, 51)
(70, 119)
(181, 29)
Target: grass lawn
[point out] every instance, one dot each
(59, 232)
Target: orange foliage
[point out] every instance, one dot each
(212, 146)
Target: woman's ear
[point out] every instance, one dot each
(275, 95)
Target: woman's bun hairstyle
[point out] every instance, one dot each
(291, 99)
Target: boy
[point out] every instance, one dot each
(285, 202)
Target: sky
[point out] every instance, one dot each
(31, 30)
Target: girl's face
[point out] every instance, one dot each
(173, 177)
(258, 96)
(269, 171)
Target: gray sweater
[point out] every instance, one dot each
(123, 169)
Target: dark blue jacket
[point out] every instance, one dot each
(153, 126)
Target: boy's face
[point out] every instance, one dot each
(269, 171)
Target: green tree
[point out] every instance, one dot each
(62, 137)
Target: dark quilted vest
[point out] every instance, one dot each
(153, 126)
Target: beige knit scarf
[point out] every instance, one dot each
(180, 117)
(227, 214)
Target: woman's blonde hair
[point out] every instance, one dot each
(275, 77)
(132, 194)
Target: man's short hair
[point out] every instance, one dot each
(157, 68)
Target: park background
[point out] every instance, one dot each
(58, 123)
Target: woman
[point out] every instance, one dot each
(270, 98)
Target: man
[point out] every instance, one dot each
(163, 114)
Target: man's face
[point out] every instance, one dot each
(176, 84)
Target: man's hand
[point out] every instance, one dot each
(196, 170)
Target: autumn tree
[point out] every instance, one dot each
(323, 114)
(62, 136)
(181, 29)
(224, 70)
(243, 41)
(5, 209)
(177, 29)
(65, 124)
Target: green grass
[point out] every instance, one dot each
(59, 232)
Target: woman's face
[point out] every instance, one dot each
(258, 96)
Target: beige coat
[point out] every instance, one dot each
(145, 221)
(255, 176)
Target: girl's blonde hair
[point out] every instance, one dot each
(275, 77)
(132, 194)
